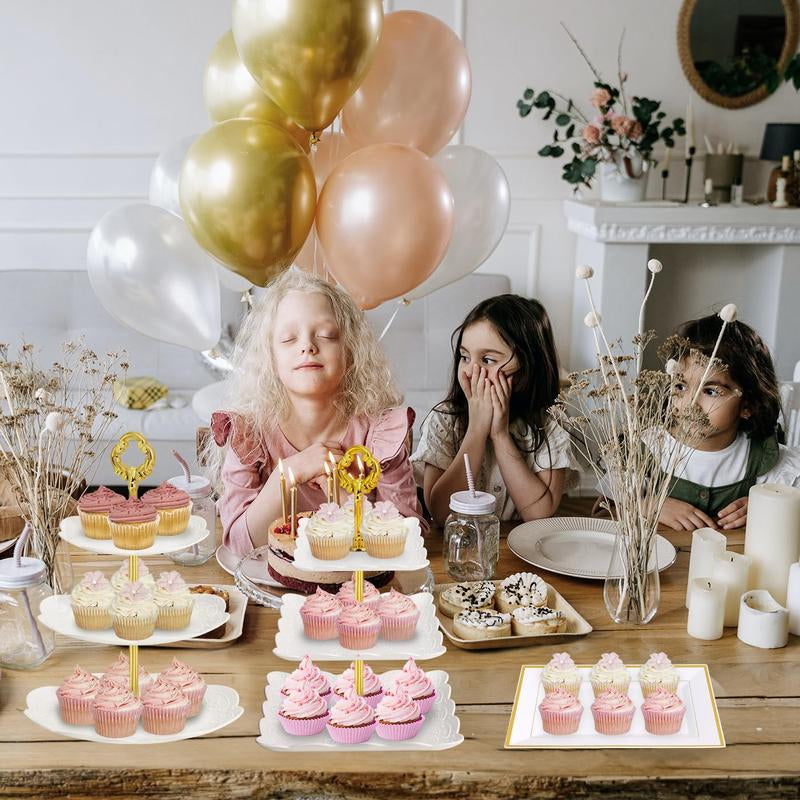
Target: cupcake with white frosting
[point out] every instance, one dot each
(609, 673)
(91, 602)
(384, 531)
(329, 532)
(122, 575)
(134, 612)
(561, 673)
(173, 600)
(658, 673)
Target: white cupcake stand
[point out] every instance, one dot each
(440, 731)
(220, 704)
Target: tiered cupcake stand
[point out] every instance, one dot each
(220, 704)
(440, 730)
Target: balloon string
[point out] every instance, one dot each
(400, 304)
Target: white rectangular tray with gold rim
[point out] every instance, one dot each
(576, 626)
(700, 727)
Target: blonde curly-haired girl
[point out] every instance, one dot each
(309, 378)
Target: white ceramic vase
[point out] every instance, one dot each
(623, 180)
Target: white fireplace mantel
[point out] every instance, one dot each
(617, 241)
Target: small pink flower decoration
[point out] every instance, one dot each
(591, 134)
(171, 581)
(95, 580)
(386, 510)
(562, 661)
(135, 592)
(659, 661)
(610, 661)
(330, 512)
(600, 98)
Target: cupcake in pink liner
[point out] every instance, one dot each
(663, 712)
(561, 712)
(352, 720)
(347, 595)
(609, 673)
(358, 627)
(612, 712)
(658, 673)
(319, 614)
(399, 615)
(120, 672)
(189, 682)
(115, 710)
(76, 697)
(307, 674)
(165, 708)
(372, 691)
(303, 713)
(416, 683)
(561, 673)
(398, 716)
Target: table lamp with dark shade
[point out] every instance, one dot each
(780, 139)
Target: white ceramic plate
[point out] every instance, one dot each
(208, 613)
(254, 569)
(414, 555)
(579, 547)
(233, 628)
(700, 728)
(71, 531)
(220, 708)
(8, 544)
(440, 731)
(292, 644)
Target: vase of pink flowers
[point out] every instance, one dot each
(613, 142)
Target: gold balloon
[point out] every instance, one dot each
(309, 56)
(230, 92)
(248, 195)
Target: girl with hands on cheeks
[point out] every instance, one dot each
(309, 379)
(505, 377)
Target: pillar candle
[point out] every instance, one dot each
(732, 571)
(762, 622)
(772, 536)
(793, 599)
(707, 544)
(706, 609)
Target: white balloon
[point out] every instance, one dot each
(150, 274)
(482, 205)
(165, 176)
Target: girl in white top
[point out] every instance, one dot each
(505, 377)
(741, 448)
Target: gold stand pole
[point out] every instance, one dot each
(358, 580)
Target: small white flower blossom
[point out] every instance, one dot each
(55, 422)
(655, 266)
(728, 313)
(591, 320)
(584, 272)
(671, 367)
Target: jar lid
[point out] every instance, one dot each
(31, 572)
(468, 503)
(199, 486)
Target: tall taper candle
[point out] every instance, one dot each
(282, 479)
(689, 129)
(707, 544)
(292, 503)
(772, 536)
(335, 478)
(328, 482)
(706, 609)
(732, 571)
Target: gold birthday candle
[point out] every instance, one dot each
(292, 503)
(334, 471)
(282, 478)
(328, 482)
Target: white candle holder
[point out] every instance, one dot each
(763, 622)
(793, 599)
(707, 544)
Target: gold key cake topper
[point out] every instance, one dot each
(358, 485)
(133, 476)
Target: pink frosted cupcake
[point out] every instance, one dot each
(189, 682)
(76, 697)
(347, 595)
(417, 684)
(303, 713)
(358, 627)
(319, 613)
(165, 708)
(352, 720)
(115, 710)
(93, 509)
(663, 712)
(307, 674)
(174, 508)
(561, 712)
(372, 689)
(120, 672)
(398, 716)
(612, 712)
(133, 524)
(398, 615)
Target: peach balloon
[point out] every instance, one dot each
(384, 218)
(418, 87)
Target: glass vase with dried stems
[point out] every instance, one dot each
(53, 422)
(636, 433)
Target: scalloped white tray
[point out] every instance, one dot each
(72, 531)
(440, 731)
(207, 614)
(414, 555)
(292, 644)
(220, 708)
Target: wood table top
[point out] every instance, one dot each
(757, 693)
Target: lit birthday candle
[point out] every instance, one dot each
(328, 481)
(283, 489)
(292, 503)
(335, 478)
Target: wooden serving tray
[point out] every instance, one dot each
(576, 625)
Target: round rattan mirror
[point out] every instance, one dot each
(729, 48)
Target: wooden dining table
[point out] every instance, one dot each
(757, 691)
